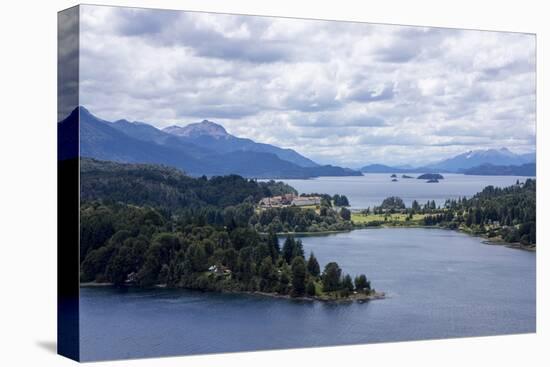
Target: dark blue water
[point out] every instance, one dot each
(440, 284)
(372, 188)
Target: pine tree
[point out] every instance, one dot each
(288, 249)
(298, 269)
(313, 266)
(347, 283)
(273, 243)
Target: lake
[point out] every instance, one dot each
(440, 284)
(371, 189)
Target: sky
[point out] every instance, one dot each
(343, 93)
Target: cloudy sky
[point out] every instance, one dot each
(338, 92)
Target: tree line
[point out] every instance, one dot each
(212, 243)
(508, 212)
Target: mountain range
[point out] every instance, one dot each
(203, 148)
(213, 136)
(475, 158)
(527, 169)
(491, 161)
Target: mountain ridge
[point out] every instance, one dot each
(204, 127)
(527, 169)
(474, 158)
(502, 157)
(124, 141)
(214, 136)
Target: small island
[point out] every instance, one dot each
(430, 176)
(394, 180)
(406, 176)
(433, 180)
(393, 175)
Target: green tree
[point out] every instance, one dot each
(273, 243)
(313, 266)
(393, 203)
(298, 250)
(345, 214)
(298, 269)
(340, 200)
(361, 283)
(229, 258)
(245, 263)
(125, 261)
(347, 283)
(267, 273)
(331, 277)
(284, 279)
(96, 227)
(310, 288)
(95, 264)
(288, 249)
(197, 258)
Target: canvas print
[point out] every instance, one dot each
(232, 183)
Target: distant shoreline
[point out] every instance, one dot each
(495, 241)
(313, 234)
(485, 240)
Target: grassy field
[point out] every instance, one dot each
(359, 218)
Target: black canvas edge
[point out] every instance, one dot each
(68, 185)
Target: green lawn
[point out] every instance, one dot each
(359, 218)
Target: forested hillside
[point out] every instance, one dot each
(148, 225)
(508, 213)
(168, 188)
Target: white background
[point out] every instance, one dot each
(28, 183)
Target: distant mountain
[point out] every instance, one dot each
(131, 142)
(474, 158)
(461, 162)
(213, 136)
(529, 157)
(528, 169)
(381, 168)
(146, 132)
(195, 130)
(101, 140)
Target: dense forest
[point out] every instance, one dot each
(292, 219)
(169, 188)
(502, 214)
(507, 213)
(148, 225)
(218, 201)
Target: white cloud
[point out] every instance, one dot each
(339, 92)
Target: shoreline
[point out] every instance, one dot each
(495, 241)
(485, 240)
(516, 245)
(312, 233)
(355, 297)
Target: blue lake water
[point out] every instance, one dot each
(371, 189)
(439, 283)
